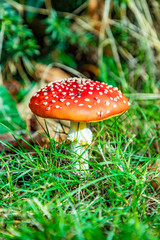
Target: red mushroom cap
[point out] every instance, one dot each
(78, 99)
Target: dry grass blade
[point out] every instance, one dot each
(147, 28)
(144, 96)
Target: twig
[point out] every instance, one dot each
(80, 8)
(48, 5)
(69, 69)
(19, 7)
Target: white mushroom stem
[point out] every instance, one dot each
(80, 137)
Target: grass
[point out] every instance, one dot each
(42, 197)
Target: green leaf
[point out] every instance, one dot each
(68, 60)
(9, 115)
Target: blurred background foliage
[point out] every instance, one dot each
(111, 41)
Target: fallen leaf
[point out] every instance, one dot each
(13, 86)
(50, 74)
(14, 142)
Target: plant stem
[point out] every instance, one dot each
(80, 137)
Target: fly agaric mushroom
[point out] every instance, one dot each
(79, 100)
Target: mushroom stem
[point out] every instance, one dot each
(80, 137)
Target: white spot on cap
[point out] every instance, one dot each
(53, 101)
(87, 99)
(75, 101)
(45, 103)
(36, 104)
(67, 103)
(90, 93)
(62, 99)
(37, 95)
(100, 93)
(89, 106)
(111, 98)
(108, 111)
(129, 103)
(124, 101)
(57, 106)
(46, 98)
(114, 105)
(107, 103)
(45, 93)
(79, 89)
(80, 105)
(98, 100)
(115, 88)
(48, 108)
